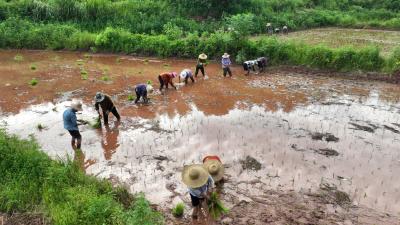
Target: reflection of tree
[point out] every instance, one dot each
(109, 141)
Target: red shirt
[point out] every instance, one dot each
(166, 77)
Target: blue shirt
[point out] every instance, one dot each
(198, 192)
(69, 118)
(141, 89)
(226, 62)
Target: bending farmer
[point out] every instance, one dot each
(141, 92)
(185, 75)
(165, 79)
(107, 106)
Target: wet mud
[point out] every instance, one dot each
(281, 134)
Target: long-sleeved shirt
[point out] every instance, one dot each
(106, 105)
(69, 118)
(200, 191)
(226, 62)
(167, 78)
(141, 89)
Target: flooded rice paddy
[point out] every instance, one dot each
(280, 130)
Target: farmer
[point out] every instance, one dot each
(250, 65)
(142, 90)
(269, 29)
(226, 64)
(71, 124)
(165, 79)
(285, 30)
(201, 63)
(107, 106)
(185, 75)
(214, 167)
(200, 185)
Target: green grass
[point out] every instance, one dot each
(178, 210)
(31, 181)
(339, 37)
(130, 98)
(33, 82)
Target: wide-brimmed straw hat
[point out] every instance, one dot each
(99, 97)
(225, 55)
(214, 168)
(174, 74)
(76, 106)
(202, 56)
(194, 176)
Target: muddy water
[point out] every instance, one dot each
(304, 130)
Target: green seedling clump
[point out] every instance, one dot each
(215, 206)
(40, 127)
(130, 97)
(178, 210)
(105, 78)
(33, 82)
(84, 74)
(18, 58)
(96, 124)
(33, 67)
(80, 62)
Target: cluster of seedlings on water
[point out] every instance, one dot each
(130, 98)
(33, 82)
(80, 62)
(178, 210)
(105, 76)
(18, 58)
(33, 67)
(84, 74)
(40, 127)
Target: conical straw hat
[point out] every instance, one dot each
(214, 168)
(202, 56)
(194, 176)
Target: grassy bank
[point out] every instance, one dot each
(31, 181)
(17, 33)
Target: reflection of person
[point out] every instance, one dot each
(107, 106)
(109, 141)
(141, 92)
(226, 64)
(71, 124)
(201, 63)
(79, 158)
(214, 167)
(165, 79)
(185, 75)
(200, 185)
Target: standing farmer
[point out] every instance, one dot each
(226, 64)
(107, 106)
(142, 90)
(165, 79)
(71, 124)
(201, 63)
(185, 75)
(200, 185)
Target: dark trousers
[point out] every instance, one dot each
(114, 111)
(187, 79)
(201, 68)
(143, 95)
(162, 83)
(227, 70)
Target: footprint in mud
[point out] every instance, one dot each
(250, 163)
(370, 129)
(326, 136)
(326, 152)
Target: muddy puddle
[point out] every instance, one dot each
(282, 130)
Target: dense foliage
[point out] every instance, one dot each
(31, 181)
(185, 28)
(150, 16)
